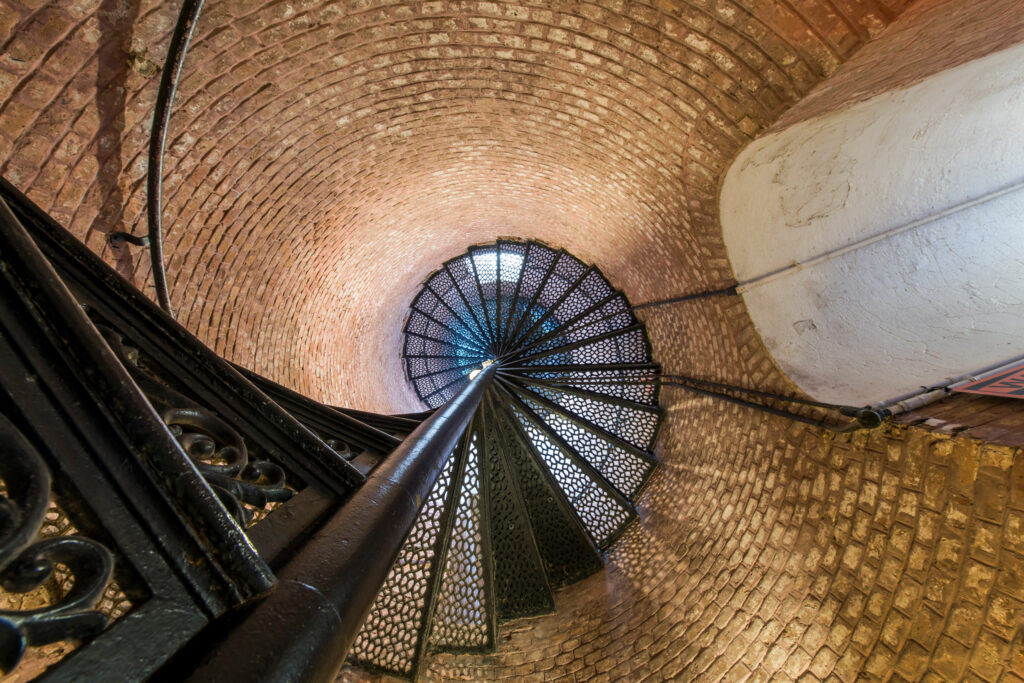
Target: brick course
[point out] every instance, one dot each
(324, 157)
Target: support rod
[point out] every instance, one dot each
(867, 417)
(187, 20)
(753, 392)
(889, 233)
(727, 291)
(303, 631)
(849, 427)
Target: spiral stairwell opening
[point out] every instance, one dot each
(545, 477)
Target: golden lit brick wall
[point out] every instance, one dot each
(766, 550)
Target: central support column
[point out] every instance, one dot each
(303, 631)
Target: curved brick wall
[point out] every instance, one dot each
(324, 157)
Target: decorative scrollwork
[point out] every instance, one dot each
(25, 564)
(219, 453)
(341, 448)
(245, 486)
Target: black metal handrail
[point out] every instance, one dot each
(304, 630)
(199, 485)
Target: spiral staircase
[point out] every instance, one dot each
(167, 515)
(545, 477)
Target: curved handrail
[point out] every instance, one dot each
(187, 20)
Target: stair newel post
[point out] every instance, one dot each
(304, 630)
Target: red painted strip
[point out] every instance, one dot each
(1008, 383)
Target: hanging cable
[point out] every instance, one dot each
(187, 20)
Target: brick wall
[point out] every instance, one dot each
(324, 157)
(929, 38)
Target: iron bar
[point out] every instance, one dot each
(458, 333)
(462, 295)
(456, 316)
(154, 332)
(925, 395)
(497, 298)
(596, 478)
(533, 475)
(515, 298)
(112, 389)
(328, 419)
(592, 472)
(569, 416)
(852, 425)
(388, 423)
(763, 278)
(452, 368)
(571, 380)
(542, 468)
(187, 19)
(116, 239)
(568, 325)
(442, 388)
(581, 367)
(483, 302)
(446, 525)
(436, 356)
(604, 398)
(418, 417)
(753, 392)
(726, 291)
(466, 339)
(304, 630)
(497, 455)
(867, 416)
(439, 341)
(490, 606)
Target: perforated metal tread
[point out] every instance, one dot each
(545, 477)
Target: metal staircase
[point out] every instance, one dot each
(166, 515)
(545, 477)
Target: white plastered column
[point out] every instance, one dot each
(881, 248)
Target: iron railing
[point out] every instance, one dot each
(151, 492)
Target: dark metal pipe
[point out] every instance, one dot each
(568, 324)
(582, 367)
(552, 308)
(867, 417)
(303, 631)
(752, 392)
(727, 291)
(578, 344)
(925, 395)
(187, 20)
(849, 427)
